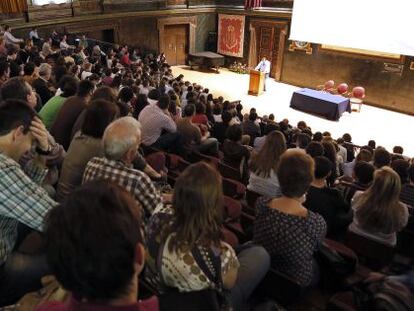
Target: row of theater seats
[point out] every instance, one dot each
(364, 254)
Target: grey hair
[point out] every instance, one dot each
(44, 68)
(120, 136)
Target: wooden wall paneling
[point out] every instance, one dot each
(50, 11)
(94, 27)
(191, 21)
(278, 50)
(140, 31)
(277, 3)
(130, 5)
(89, 7)
(176, 3)
(201, 3)
(230, 3)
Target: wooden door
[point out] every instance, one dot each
(269, 41)
(265, 44)
(176, 44)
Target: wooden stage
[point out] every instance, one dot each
(371, 123)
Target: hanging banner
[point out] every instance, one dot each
(231, 35)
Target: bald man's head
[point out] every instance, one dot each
(121, 139)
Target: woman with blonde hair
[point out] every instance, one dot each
(378, 213)
(185, 241)
(263, 166)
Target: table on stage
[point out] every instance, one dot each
(320, 103)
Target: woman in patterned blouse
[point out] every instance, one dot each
(287, 230)
(185, 241)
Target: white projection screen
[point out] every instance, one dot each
(44, 2)
(374, 25)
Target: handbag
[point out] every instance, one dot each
(216, 299)
(337, 259)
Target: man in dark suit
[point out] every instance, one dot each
(41, 83)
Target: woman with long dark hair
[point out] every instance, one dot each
(330, 153)
(263, 166)
(185, 239)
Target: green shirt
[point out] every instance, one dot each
(50, 110)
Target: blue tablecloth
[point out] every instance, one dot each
(320, 103)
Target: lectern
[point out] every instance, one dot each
(256, 85)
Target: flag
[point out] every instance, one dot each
(251, 4)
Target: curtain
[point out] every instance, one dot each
(13, 6)
(253, 48)
(251, 4)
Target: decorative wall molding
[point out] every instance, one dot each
(301, 46)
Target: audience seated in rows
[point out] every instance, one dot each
(407, 190)
(362, 177)
(41, 83)
(121, 141)
(328, 202)
(96, 250)
(68, 85)
(86, 145)
(69, 113)
(23, 200)
(263, 166)
(154, 119)
(17, 89)
(185, 241)
(192, 137)
(305, 197)
(285, 227)
(378, 214)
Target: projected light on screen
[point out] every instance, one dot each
(376, 25)
(44, 2)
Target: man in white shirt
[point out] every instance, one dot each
(63, 44)
(34, 36)
(158, 127)
(11, 41)
(264, 66)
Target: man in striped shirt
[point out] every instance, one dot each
(22, 199)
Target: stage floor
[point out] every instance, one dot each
(387, 128)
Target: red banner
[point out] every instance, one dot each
(231, 35)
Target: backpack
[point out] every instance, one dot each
(383, 295)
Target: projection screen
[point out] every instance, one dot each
(44, 2)
(375, 25)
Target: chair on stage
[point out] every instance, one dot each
(327, 87)
(356, 97)
(342, 89)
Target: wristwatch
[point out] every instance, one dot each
(43, 152)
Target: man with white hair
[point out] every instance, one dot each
(41, 83)
(121, 141)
